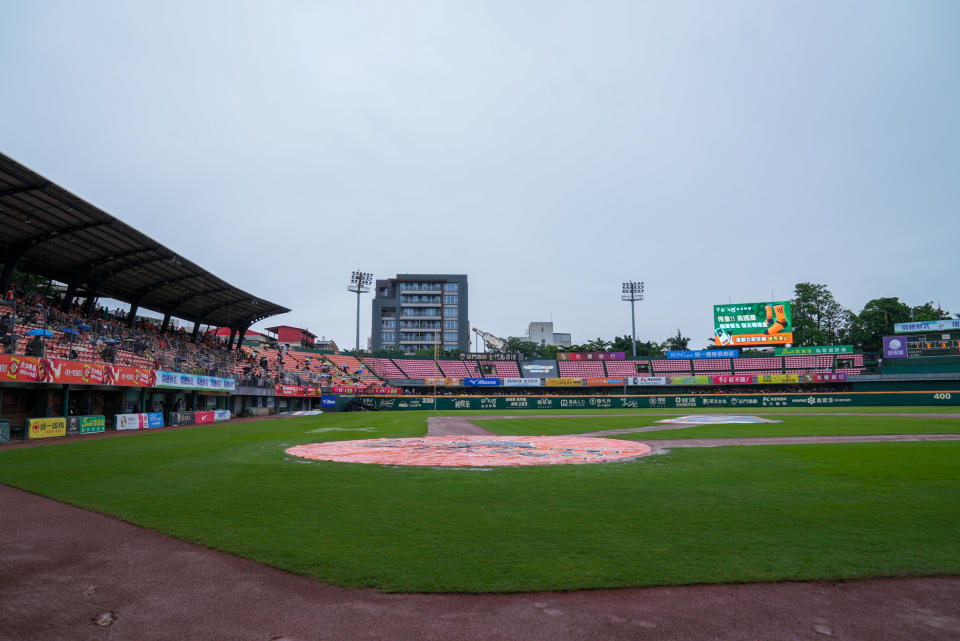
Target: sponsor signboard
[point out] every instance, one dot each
(179, 380)
(563, 382)
(481, 382)
(647, 380)
(204, 416)
(52, 370)
(778, 378)
(744, 324)
(727, 379)
(154, 419)
(19, 368)
(591, 356)
(181, 418)
(600, 382)
(927, 326)
(815, 349)
(894, 347)
(742, 402)
(221, 415)
(830, 378)
(328, 401)
(521, 382)
(441, 381)
(130, 421)
(689, 380)
(86, 424)
(46, 427)
(489, 356)
(703, 353)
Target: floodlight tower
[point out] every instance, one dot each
(359, 284)
(633, 291)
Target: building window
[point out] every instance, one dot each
(450, 324)
(449, 336)
(450, 300)
(451, 287)
(389, 336)
(389, 324)
(451, 311)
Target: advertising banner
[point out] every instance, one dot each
(130, 422)
(328, 401)
(46, 427)
(818, 349)
(740, 402)
(182, 418)
(383, 390)
(481, 382)
(489, 356)
(563, 382)
(778, 378)
(440, 381)
(221, 415)
(591, 356)
(600, 382)
(703, 353)
(894, 347)
(521, 382)
(539, 369)
(179, 380)
(52, 370)
(689, 380)
(85, 424)
(927, 326)
(647, 380)
(205, 416)
(830, 378)
(745, 324)
(727, 379)
(154, 419)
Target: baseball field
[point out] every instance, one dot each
(681, 515)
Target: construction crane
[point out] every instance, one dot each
(493, 343)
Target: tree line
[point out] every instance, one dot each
(818, 319)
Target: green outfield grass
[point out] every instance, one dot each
(793, 425)
(706, 515)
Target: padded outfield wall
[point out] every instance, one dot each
(945, 398)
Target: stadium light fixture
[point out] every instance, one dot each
(633, 291)
(359, 284)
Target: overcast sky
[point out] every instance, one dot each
(719, 151)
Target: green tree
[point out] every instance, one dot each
(927, 312)
(678, 342)
(528, 349)
(876, 320)
(818, 319)
(598, 345)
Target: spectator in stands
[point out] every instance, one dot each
(35, 347)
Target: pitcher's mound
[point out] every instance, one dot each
(474, 451)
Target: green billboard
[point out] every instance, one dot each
(748, 324)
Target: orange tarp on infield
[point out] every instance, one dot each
(474, 451)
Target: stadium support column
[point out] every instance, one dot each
(166, 323)
(91, 297)
(68, 297)
(233, 335)
(9, 264)
(243, 332)
(134, 306)
(196, 331)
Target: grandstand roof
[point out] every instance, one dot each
(56, 234)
